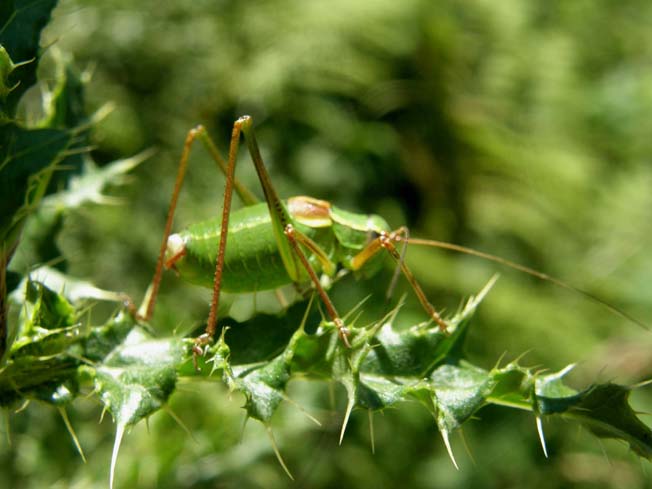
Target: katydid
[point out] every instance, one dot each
(266, 249)
(280, 242)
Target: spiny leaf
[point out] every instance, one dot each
(64, 109)
(64, 105)
(138, 376)
(136, 379)
(385, 367)
(38, 240)
(48, 322)
(102, 340)
(417, 350)
(90, 184)
(70, 288)
(42, 361)
(605, 410)
(458, 392)
(7, 66)
(28, 158)
(263, 387)
(21, 23)
(135, 374)
(47, 358)
(552, 395)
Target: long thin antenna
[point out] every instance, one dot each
(529, 271)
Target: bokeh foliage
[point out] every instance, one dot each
(520, 128)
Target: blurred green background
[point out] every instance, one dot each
(519, 128)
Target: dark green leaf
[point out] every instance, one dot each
(43, 359)
(28, 157)
(138, 376)
(459, 391)
(263, 388)
(606, 411)
(21, 23)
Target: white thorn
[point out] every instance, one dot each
(541, 437)
(466, 445)
(302, 410)
(119, 432)
(66, 421)
(242, 430)
(102, 415)
(278, 454)
(349, 408)
(179, 421)
(444, 435)
(371, 431)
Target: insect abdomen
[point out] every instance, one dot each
(252, 261)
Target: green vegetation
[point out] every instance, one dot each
(517, 129)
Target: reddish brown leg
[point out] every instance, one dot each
(386, 241)
(294, 237)
(211, 326)
(181, 173)
(247, 197)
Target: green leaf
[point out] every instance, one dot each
(52, 348)
(104, 339)
(138, 376)
(417, 350)
(65, 109)
(21, 23)
(134, 374)
(72, 289)
(459, 391)
(52, 379)
(42, 362)
(27, 159)
(38, 239)
(6, 67)
(263, 388)
(65, 104)
(46, 315)
(136, 379)
(605, 410)
(552, 395)
(384, 368)
(90, 184)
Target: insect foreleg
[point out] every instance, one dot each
(294, 237)
(386, 241)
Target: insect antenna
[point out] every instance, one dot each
(527, 270)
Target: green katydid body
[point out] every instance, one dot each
(282, 242)
(252, 259)
(274, 243)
